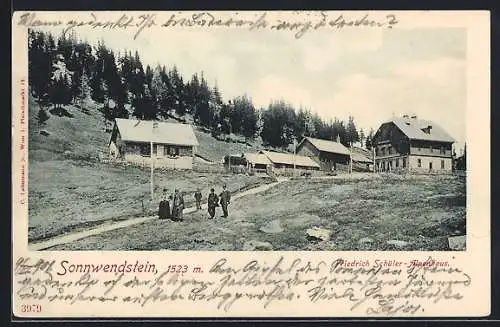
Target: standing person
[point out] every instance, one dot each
(213, 202)
(164, 208)
(178, 205)
(225, 200)
(173, 213)
(197, 197)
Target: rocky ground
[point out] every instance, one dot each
(358, 212)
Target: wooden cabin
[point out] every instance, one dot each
(329, 155)
(284, 163)
(169, 145)
(257, 162)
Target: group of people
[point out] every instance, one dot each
(176, 201)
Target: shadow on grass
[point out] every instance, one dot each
(61, 112)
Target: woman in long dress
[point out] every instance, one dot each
(164, 208)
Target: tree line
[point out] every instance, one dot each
(68, 70)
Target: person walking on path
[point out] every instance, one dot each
(197, 197)
(178, 205)
(225, 200)
(213, 202)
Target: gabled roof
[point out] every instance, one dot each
(257, 158)
(166, 133)
(327, 146)
(413, 129)
(361, 155)
(289, 159)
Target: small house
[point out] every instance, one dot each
(362, 159)
(169, 145)
(329, 154)
(285, 162)
(412, 144)
(257, 162)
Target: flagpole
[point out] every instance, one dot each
(373, 154)
(152, 185)
(350, 159)
(294, 155)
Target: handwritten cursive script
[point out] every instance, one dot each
(298, 24)
(388, 289)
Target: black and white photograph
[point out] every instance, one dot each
(251, 164)
(227, 139)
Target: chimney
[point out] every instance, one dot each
(413, 117)
(406, 116)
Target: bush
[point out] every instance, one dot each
(42, 117)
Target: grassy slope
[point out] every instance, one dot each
(420, 210)
(214, 150)
(69, 189)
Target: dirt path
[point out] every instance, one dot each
(71, 237)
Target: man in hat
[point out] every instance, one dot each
(197, 197)
(225, 200)
(213, 202)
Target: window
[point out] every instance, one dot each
(442, 164)
(430, 148)
(145, 150)
(173, 151)
(443, 151)
(419, 163)
(404, 162)
(155, 149)
(397, 163)
(382, 151)
(430, 165)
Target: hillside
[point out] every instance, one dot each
(79, 134)
(70, 189)
(214, 150)
(82, 135)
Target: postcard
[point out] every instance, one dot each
(221, 164)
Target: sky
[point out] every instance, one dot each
(368, 73)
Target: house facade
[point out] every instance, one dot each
(286, 163)
(257, 162)
(413, 145)
(329, 155)
(165, 145)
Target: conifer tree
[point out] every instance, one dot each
(60, 84)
